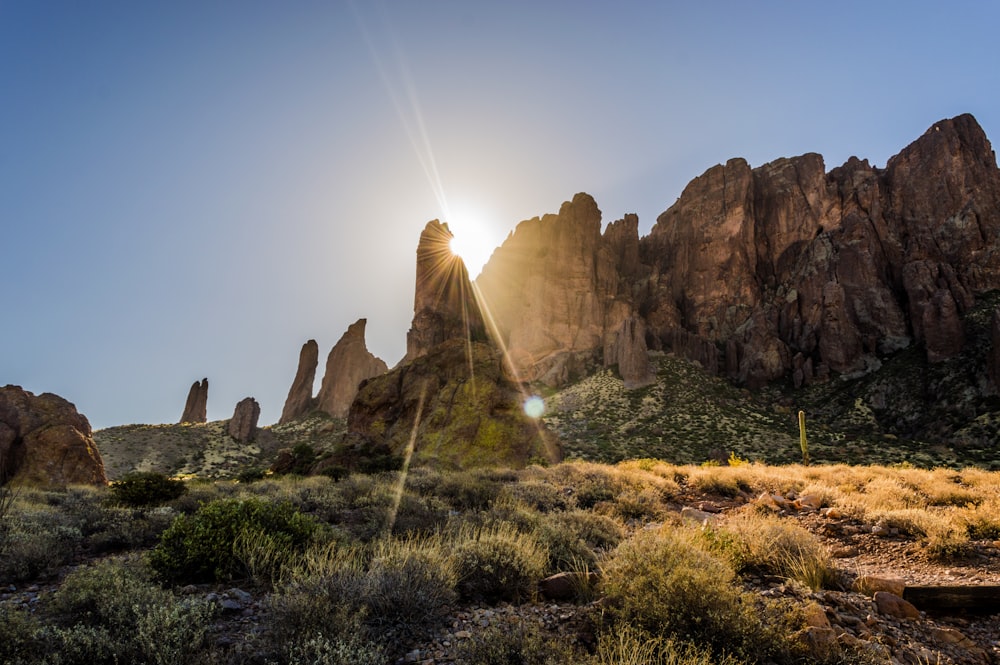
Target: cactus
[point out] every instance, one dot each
(803, 443)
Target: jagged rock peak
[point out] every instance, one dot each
(196, 407)
(243, 425)
(559, 291)
(45, 440)
(444, 305)
(300, 398)
(348, 364)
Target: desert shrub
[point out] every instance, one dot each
(345, 649)
(123, 528)
(113, 612)
(542, 496)
(498, 563)
(18, 635)
(146, 488)
(516, 644)
(598, 531)
(774, 546)
(251, 474)
(340, 591)
(36, 543)
(468, 490)
(631, 646)
(636, 503)
(566, 550)
(663, 582)
(199, 547)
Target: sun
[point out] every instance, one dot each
(474, 239)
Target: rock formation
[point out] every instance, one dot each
(559, 291)
(444, 306)
(196, 407)
(44, 440)
(780, 272)
(300, 398)
(243, 425)
(629, 353)
(455, 406)
(348, 364)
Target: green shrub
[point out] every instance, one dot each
(664, 583)
(112, 612)
(349, 649)
(251, 474)
(630, 646)
(199, 547)
(517, 644)
(18, 635)
(498, 563)
(541, 496)
(146, 488)
(36, 544)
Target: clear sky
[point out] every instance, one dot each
(193, 189)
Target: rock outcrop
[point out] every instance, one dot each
(196, 407)
(780, 272)
(559, 291)
(300, 398)
(44, 440)
(444, 305)
(629, 353)
(243, 425)
(348, 364)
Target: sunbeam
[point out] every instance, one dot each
(407, 456)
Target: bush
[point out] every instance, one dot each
(498, 563)
(663, 583)
(199, 547)
(774, 546)
(36, 544)
(18, 639)
(630, 646)
(516, 645)
(146, 488)
(112, 612)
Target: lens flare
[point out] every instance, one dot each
(534, 407)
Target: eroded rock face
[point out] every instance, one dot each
(44, 440)
(559, 290)
(348, 364)
(628, 351)
(455, 405)
(196, 407)
(243, 425)
(790, 268)
(300, 398)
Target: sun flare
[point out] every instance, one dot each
(474, 240)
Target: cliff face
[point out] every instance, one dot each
(780, 271)
(349, 363)
(558, 290)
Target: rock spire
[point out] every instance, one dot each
(300, 398)
(348, 364)
(196, 407)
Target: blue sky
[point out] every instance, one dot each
(194, 189)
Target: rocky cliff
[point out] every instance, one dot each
(45, 440)
(348, 364)
(781, 272)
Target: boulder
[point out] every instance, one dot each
(45, 440)
(243, 425)
(300, 398)
(892, 605)
(196, 407)
(348, 365)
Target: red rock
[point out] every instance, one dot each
(243, 424)
(45, 440)
(894, 606)
(196, 407)
(300, 398)
(628, 352)
(348, 365)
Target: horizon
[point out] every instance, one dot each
(194, 191)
